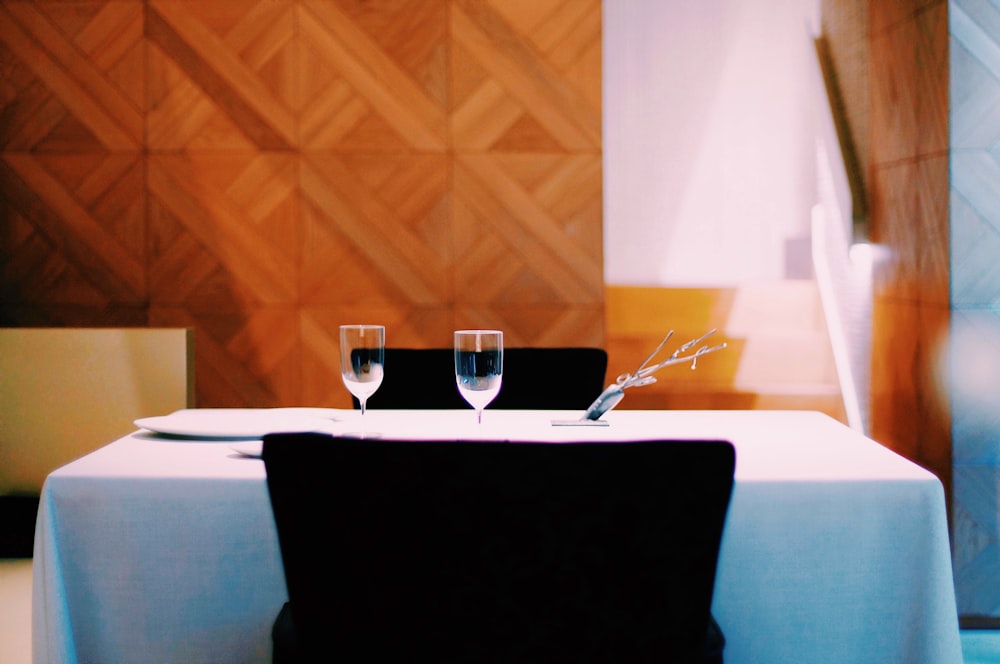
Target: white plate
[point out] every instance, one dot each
(238, 423)
(249, 448)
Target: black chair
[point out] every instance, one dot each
(18, 513)
(558, 378)
(497, 552)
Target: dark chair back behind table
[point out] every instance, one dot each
(558, 378)
(498, 552)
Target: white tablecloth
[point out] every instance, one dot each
(835, 549)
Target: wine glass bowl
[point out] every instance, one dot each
(478, 367)
(362, 356)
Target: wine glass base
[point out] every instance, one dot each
(361, 434)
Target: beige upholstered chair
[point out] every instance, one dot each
(63, 393)
(66, 391)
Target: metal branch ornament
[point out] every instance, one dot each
(615, 392)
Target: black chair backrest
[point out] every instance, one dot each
(498, 552)
(558, 378)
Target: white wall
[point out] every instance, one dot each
(709, 139)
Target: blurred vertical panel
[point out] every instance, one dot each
(973, 352)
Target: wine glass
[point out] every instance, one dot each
(362, 355)
(478, 366)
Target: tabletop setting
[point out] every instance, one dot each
(161, 545)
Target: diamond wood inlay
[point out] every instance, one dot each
(497, 67)
(224, 57)
(384, 218)
(239, 210)
(511, 220)
(84, 213)
(72, 76)
(374, 90)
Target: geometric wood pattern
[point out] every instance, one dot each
(265, 170)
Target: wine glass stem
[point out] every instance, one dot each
(479, 416)
(362, 402)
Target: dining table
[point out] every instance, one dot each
(161, 546)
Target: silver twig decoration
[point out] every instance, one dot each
(615, 392)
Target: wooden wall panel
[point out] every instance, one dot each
(264, 170)
(909, 217)
(73, 75)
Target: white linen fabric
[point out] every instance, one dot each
(835, 549)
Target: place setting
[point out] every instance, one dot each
(478, 367)
(478, 378)
(226, 424)
(205, 475)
